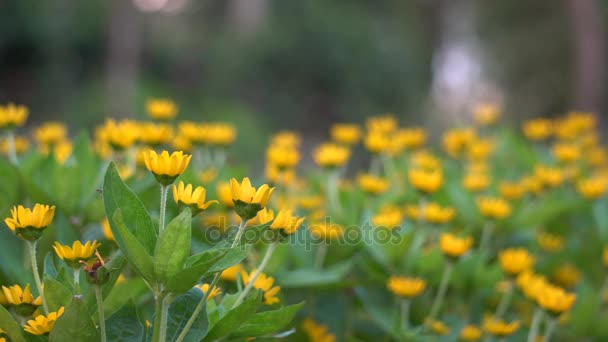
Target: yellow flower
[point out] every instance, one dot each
(388, 217)
(208, 175)
(42, 325)
(531, 284)
(498, 327)
(453, 246)
(537, 129)
(326, 230)
(405, 286)
(220, 134)
(434, 213)
(28, 223)
(347, 134)
(566, 152)
(276, 175)
(282, 156)
(21, 144)
(262, 217)
(550, 176)
(549, 242)
(120, 135)
(77, 252)
(155, 134)
(592, 188)
(372, 184)
(427, 181)
(470, 333)
(310, 202)
(231, 272)
(532, 184)
(224, 193)
(437, 327)
(493, 208)
(605, 256)
(216, 291)
(194, 199)
(161, 109)
(555, 299)
(566, 275)
(456, 141)
(480, 149)
(596, 156)
(181, 143)
(411, 138)
(511, 190)
(13, 115)
(264, 283)
(385, 123)
(476, 181)
(248, 194)
(515, 260)
(377, 142)
(286, 139)
(166, 167)
(50, 133)
(425, 160)
(61, 150)
(330, 155)
(17, 296)
(286, 222)
(486, 114)
(317, 332)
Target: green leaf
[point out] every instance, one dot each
(314, 277)
(232, 257)
(56, 294)
(124, 325)
(49, 266)
(75, 324)
(194, 268)
(122, 293)
(234, 319)
(132, 249)
(180, 312)
(117, 196)
(10, 326)
(173, 247)
(264, 323)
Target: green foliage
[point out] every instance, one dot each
(75, 324)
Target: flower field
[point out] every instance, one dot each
(151, 230)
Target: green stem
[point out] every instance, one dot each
(333, 192)
(271, 248)
(102, 320)
(405, 312)
(214, 282)
(551, 325)
(443, 286)
(504, 301)
(12, 152)
(164, 189)
(485, 238)
(77, 280)
(164, 315)
(538, 315)
(32, 247)
(158, 308)
(321, 253)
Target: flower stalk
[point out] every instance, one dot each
(503, 305)
(486, 234)
(321, 253)
(536, 318)
(12, 152)
(164, 190)
(32, 248)
(405, 312)
(443, 286)
(269, 251)
(100, 312)
(76, 280)
(551, 325)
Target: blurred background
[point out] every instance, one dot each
(274, 64)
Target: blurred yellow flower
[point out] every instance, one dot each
(605, 256)
(286, 222)
(425, 160)
(480, 149)
(596, 156)
(511, 190)
(50, 133)
(73, 254)
(62, 150)
(216, 291)
(330, 155)
(454, 246)
(181, 143)
(166, 167)
(498, 327)
(286, 138)
(326, 230)
(377, 142)
(208, 175)
(592, 188)
(405, 286)
(344, 133)
(476, 181)
(389, 217)
(262, 217)
(42, 325)
(555, 299)
(531, 284)
(385, 123)
(317, 332)
(486, 113)
(566, 152)
(21, 144)
(455, 141)
(106, 230)
(411, 138)
(434, 213)
(282, 156)
(154, 134)
(231, 272)
(437, 327)
(264, 283)
(220, 134)
(13, 115)
(372, 184)
(537, 129)
(161, 109)
(550, 176)
(195, 200)
(549, 242)
(224, 193)
(566, 275)
(121, 135)
(470, 333)
(493, 207)
(310, 202)
(425, 180)
(15, 295)
(532, 184)
(515, 260)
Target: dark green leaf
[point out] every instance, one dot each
(124, 325)
(117, 196)
(180, 312)
(234, 318)
(232, 257)
(56, 294)
(314, 277)
(173, 247)
(132, 249)
(49, 266)
(264, 323)
(75, 324)
(194, 268)
(10, 326)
